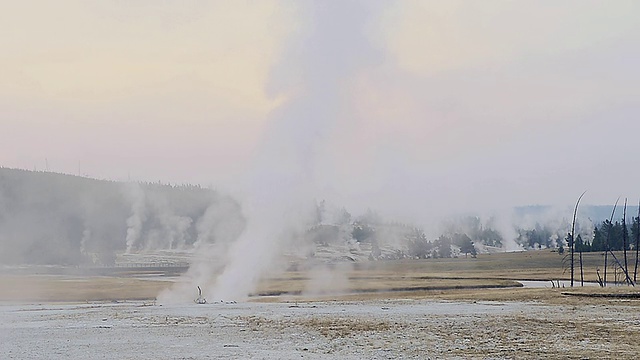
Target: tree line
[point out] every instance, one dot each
(609, 238)
(618, 233)
(56, 219)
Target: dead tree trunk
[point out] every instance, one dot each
(606, 242)
(573, 238)
(581, 269)
(619, 264)
(635, 270)
(599, 278)
(625, 235)
(606, 253)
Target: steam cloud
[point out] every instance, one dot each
(322, 60)
(137, 218)
(317, 64)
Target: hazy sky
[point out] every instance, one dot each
(414, 103)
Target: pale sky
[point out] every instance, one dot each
(414, 103)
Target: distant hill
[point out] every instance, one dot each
(51, 218)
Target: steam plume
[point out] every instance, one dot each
(138, 216)
(317, 66)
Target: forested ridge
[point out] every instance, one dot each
(51, 218)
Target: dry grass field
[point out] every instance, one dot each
(55, 288)
(489, 276)
(421, 309)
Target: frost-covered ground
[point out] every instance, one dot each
(417, 329)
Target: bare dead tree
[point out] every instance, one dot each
(619, 264)
(608, 251)
(625, 235)
(599, 277)
(572, 238)
(635, 270)
(606, 242)
(613, 255)
(581, 268)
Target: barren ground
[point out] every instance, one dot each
(420, 310)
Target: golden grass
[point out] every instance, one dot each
(530, 265)
(72, 289)
(489, 277)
